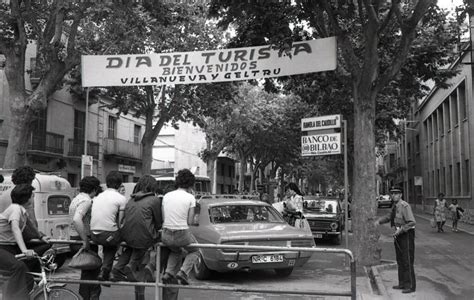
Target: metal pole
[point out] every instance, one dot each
(407, 186)
(158, 273)
(85, 131)
(346, 187)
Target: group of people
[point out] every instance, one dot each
(108, 219)
(19, 235)
(441, 209)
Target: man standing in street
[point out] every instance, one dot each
(106, 215)
(401, 218)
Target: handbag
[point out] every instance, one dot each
(433, 223)
(85, 260)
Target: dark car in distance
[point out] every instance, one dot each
(325, 217)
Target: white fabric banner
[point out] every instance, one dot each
(207, 66)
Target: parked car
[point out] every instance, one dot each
(325, 217)
(384, 201)
(246, 222)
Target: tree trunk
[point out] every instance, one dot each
(363, 204)
(147, 156)
(242, 175)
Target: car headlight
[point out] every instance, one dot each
(334, 226)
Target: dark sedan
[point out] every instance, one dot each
(325, 217)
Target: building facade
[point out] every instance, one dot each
(435, 152)
(57, 141)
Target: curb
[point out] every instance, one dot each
(377, 279)
(429, 218)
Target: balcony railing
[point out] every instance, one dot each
(76, 148)
(47, 142)
(122, 148)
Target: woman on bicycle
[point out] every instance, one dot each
(12, 222)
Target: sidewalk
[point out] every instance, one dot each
(464, 227)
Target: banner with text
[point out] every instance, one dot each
(321, 144)
(208, 66)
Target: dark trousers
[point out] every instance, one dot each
(130, 256)
(88, 291)
(109, 241)
(16, 287)
(405, 252)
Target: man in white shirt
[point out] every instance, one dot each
(178, 213)
(106, 215)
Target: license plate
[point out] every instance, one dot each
(263, 259)
(318, 236)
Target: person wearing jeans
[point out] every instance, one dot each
(106, 215)
(178, 213)
(80, 214)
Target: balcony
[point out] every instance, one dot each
(47, 143)
(76, 148)
(122, 149)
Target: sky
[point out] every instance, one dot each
(449, 3)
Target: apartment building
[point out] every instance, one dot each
(435, 153)
(57, 141)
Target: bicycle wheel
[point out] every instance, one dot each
(58, 293)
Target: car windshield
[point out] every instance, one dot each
(237, 213)
(322, 206)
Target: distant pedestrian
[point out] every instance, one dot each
(439, 211)
(178, 212)
(402, 220)
(456, 213)
(294, 205)
(106, 215)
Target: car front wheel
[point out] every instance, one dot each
(201, 271)
(284, 272)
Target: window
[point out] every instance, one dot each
(438, 182)
(426, 133)
(392, 160)
(449, 185)
(447, 114)
(462, 100)
(112, 127)
(417, 144)
(79, 125)
(58, 205)
(443, 180)
(457, 179)
(467, 180)
(435, 125)
(441, 120)
(454, 107)
(137, 132)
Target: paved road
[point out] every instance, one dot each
(443, 261)
(324, 271)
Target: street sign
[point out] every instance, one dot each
(321, 144)
(320, 123)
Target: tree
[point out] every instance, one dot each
(62, 31)
(257, 127)
(161, 28)
(374, 41)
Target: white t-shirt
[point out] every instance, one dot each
(105, 209)
(176, 205)
(81, 205)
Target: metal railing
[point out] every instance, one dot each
(76, 148)
(47, 142)
(157, 285)
(122, 148)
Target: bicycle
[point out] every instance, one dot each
(45, 290)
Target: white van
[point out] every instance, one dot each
(53, 195)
